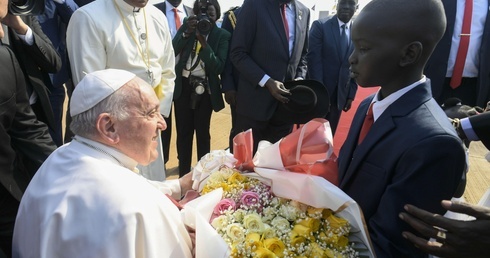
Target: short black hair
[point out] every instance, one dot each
(215, 3)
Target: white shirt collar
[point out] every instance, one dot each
(380, 106)
(347, 25)
(125, 7)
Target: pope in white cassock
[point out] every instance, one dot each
(88, 199)
(129, 35)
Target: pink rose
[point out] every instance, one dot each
(224, 205)
(250, 199)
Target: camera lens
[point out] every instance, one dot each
(26, 7)
(204, 26)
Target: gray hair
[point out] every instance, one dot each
(84, 124)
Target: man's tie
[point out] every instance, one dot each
(368, 122)
(285, 20)
(464, 41)
(343, 41)
(177, 19)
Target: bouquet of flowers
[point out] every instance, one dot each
(275, 205)
(256, 223)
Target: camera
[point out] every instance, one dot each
(198, 87)
(204, 24)
(26, 7)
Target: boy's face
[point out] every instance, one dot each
(346, 9)
(376, 55)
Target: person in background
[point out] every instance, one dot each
(268, 48)
(328, 59)
(129, 35)
(197, 87)
(26, 142)
(460, 64)
(229, 76)
(401, 147)
(54, 20)
(175, 12)
(99, 205)
(37, 58)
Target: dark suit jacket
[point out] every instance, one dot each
(213, 56)
(436, 67)
(229, 77)
(411, 155)
(163, 7)
(26, 142)
(325, 62)
(37, 61)
(259, 47)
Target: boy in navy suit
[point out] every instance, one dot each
(407, 150)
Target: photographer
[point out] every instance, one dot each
(202, 48)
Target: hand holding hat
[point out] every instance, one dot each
(308, 99)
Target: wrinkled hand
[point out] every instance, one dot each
(230, 97)
(462, 238)
(277, 90)
(16, 23)
(348, 105)
(186, 182)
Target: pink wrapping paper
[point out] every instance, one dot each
(307, 150)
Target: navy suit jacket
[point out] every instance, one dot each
(229, 76)
(436, 67)
(411, 155)
(325, 62)
(259, 47)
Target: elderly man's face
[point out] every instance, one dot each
(139, 133)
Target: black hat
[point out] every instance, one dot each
(309, 99)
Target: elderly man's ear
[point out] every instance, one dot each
(106, 129)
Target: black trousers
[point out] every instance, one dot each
(188, 121)
(271, 130)
(166, 137)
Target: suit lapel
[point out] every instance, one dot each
(383, 126)
(297, 26)
(275, 14)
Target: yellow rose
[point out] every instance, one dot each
(337, 223)
(275, 245)
(253, 240)
(342, 241)
(236, 178)
(296, 239)
(316, 250)
(253, 223)
(302, 230)
(261, 252)
(313, 224)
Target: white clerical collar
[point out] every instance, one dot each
(118, 157)
(127, 7)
